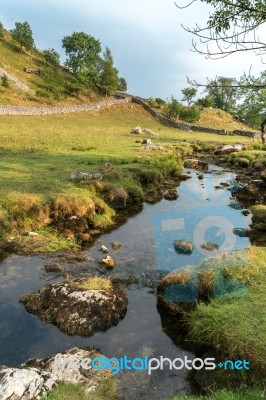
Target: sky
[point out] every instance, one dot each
(150, 48)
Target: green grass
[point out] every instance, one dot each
(69, 391)
(93, 284)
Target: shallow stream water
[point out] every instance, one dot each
(200, 213)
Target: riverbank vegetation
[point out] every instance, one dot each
(39, 154)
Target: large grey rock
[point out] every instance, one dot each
(228, 149)
(137, 130)
(75, 310)
(25, 383)
(35, 378)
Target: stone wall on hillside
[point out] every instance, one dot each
(22, 110)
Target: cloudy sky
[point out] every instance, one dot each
(149, 46)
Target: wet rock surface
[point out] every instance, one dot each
(171, 194)
(183, 246)
(35, 378)
(77, 311)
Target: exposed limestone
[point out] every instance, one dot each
(35, 378)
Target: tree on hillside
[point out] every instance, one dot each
(189, 94)
(51, 57)
(122, 84)
(223, 93)
(1, 31)
(108, 76)
(82, 52)
(23, 35)
(253, 106)
(233, 26)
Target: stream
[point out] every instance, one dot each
(201, 212)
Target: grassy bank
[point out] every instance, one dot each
(234, 326)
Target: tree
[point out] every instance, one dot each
(108, 77)
(23, 35)
(253, 106)
(223, 93)
(122, 84)
(189, 94)
(51, 57)
(232, 27)
(1, 31)
(205, 102)
(82, 56)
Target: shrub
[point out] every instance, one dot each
(189, 114)
(43, 93)
(5, 81)
(135, 195)
(150, 176)
(172, 109)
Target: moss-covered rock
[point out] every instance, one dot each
(80, 307)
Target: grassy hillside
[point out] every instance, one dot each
(13, 62)
(38, 154)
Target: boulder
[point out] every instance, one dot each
(25, 383)
(229, 148)
(54, 267)
(137, 130)
(183, 246)
(103, 249)
(150, 132)
(79, 307)
(171, 194)
(36, 377)
(241, 232)
(116, 245)
(210, 246)
(197, 164)
(147, 142)
(109, 262)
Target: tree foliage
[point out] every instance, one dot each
(189, 94)
(82, 52)
(174, 109)
(51, 57)
(223, 93)
(1, 31)
(233, 26)
(23, 35)
(108, 77)
(122, 84)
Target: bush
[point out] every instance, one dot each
(150, 176)
(189, 114)
(5, 81)
(172, 109)
(42, 93)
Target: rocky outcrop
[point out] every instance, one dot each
(80, 307)
(35, 378)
